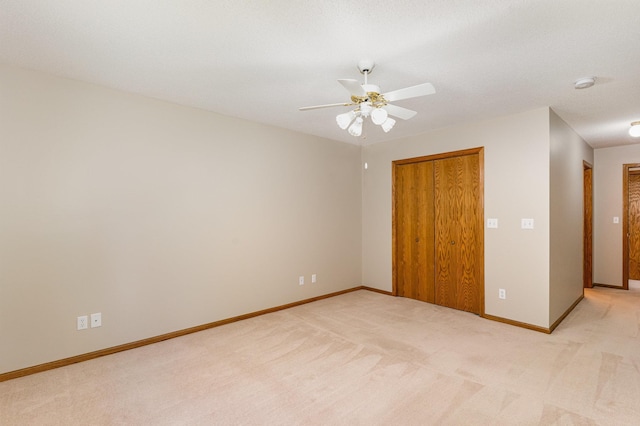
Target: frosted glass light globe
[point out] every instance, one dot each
(356, 128)
(378, 116)
(345, 119)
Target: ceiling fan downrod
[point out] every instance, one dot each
(366, 66)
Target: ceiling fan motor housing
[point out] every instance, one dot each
(371, 88)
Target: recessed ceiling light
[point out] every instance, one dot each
(585, 83)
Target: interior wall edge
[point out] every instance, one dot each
(567, 312)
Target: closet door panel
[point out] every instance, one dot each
(456, 203)
(414, 231)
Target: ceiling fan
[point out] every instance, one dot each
(370, 102)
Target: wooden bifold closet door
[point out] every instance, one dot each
(438, 226)
(415, 231)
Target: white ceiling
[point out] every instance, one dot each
(261, 60)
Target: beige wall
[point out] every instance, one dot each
(160, 217)
(607, 236)
(567, 156)
(516, 183)
(163, 217)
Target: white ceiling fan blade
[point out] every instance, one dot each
(324, 106)
(410, 92)
(396, 111)
(353, 86)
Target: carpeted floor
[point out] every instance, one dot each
(358, 359)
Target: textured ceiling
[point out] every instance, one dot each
(261, 60)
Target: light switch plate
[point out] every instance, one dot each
(492, 223)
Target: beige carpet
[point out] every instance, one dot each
(358, 359)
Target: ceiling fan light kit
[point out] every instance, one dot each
(634, 130)
(379, 116)
(388, 124)
(356, 128)
(369, 102)
(345, 119)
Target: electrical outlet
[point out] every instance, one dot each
(314, 279)
(96, 320)
(492, 223)
(502, 293)
(300, 280)
(527, 224)
(82, 322)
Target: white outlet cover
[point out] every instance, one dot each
(300, 280)
(314, 278)
(96, 320)
(527, 224)
(492, 223)
(82, 322)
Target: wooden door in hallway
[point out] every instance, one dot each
(633, 232)
(630, 223)
(438, 240)
(587, 234)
